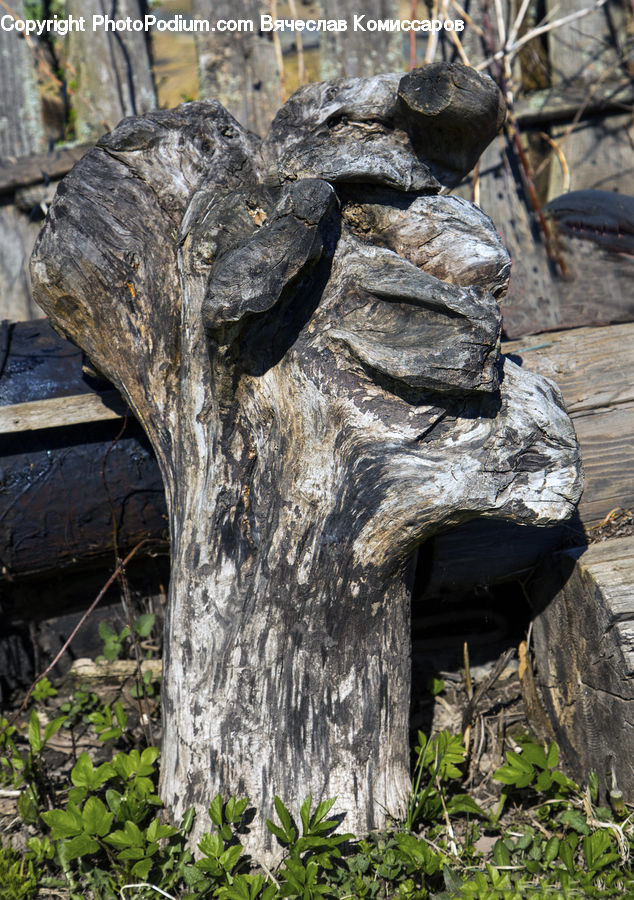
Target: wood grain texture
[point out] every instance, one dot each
(583, 637)
(238, 69)
(355, 54)
(36, 167)
(319, 404)
(112, 68)
(594, 367)
(21, 126)
(42, 414)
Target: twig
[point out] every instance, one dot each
(486, 685)
(432, 40)
(562, 161)
(467, 670)
(517, 24)
(73, 633)
(467, 18)
(453, 37)
(145, 884)
(512, 49)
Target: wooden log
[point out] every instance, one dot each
(538, 108)
(38, 167)
(56, 509)
(594, 233)
(594, 367)
(42, 414)
(21, 125)
(583, 638)
(17, 237)
(319, 402)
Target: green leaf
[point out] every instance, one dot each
(133, 832)
(118, 839)
(142, 869)
(598, 850)
(277, 831)
(553, 756)
(79, 846)
(285, 818)
(144, 624)
(575, 820)
(215, 811)
(64, 823)
(211, 845)
(566, 855)
(593, 784)
(52, 728)
(43, 690)
(322, 811)
(105, 631)
(230, 857)
(28, 805)
(34, 732)
(463, 803)
(188, 820)
(304, 813)
(96, 818)
(544, 782)
(534, 753)
(501, 855)
(552, 850)
(82, 772)
(113, 799)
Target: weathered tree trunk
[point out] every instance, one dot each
(21, 128)
(112, 69)
(21, 133)
(323, 391)
(354, 53)
(239, 69)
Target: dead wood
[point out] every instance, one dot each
(319, 400)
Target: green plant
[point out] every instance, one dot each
(114, 644)
(108, 721)
(19, 875)
(437, 768)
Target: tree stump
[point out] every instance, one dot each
(323, 390)
(583, 648)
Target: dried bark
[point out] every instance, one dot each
(323, 391)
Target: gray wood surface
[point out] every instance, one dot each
(594, 367)
(61, 411)
(583, 638)
(238, 69)
(21, 127)
(320, 401)
(112, 69)
(352, 54)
